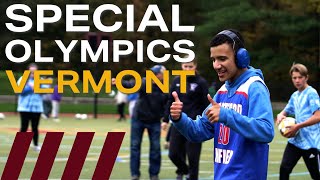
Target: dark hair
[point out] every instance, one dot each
(222, 38)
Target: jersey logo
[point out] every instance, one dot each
(193, 86)
(224, 135)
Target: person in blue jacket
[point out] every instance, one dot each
(30, 107)
(239, 117)
(304, 136)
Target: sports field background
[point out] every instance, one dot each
(70, 126)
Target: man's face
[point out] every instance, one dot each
(223, 61)
(190, 66)
(299, 81)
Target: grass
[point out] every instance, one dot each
(72, 108)
(101, 127)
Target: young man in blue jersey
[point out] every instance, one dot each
(239, 117)
(304, 136)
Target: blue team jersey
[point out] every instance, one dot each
(231, 147)
(303, 105)
(243, 131)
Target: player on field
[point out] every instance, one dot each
(239, 117)
(30, 107)
(304, 136)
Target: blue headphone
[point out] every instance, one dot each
(242, 55)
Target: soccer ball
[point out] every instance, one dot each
(2, 116)
(84, 116)
(78, 116)
(288, 121)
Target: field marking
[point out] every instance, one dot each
(166, 163)
(292, 174)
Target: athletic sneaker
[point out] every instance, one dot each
(155, 177)
(43, 116)
(135, 178)
(56, 120)
(187, 177)
(37, 148)
(179, 177)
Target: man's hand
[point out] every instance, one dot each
(280, 117)
(176, 107)
(214, 111)
(164, 126)
(292, 131)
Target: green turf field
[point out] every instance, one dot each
(71, 126)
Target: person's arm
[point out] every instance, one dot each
(259, 124)
(315, 118)
(28, 88)
(198, 130)
(314, 105)
(282, 115)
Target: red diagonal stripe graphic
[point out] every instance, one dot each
(77, 156)
(108, 155)
(17, 156)
(47, 155)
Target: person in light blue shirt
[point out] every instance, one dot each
(30, 107)
(304, 136)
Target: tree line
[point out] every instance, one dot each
(277, 34)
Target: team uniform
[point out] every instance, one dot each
(243, 131)
(306, 143)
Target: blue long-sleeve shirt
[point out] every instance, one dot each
(244, 129)
(303, 105)
(28, 101)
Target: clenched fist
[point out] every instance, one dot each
(214, 111)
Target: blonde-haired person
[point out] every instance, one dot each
(304, 136)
